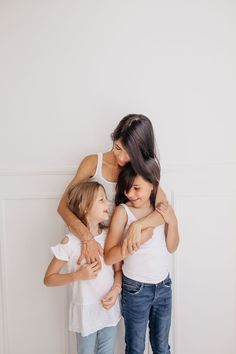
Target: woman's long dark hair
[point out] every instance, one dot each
(127, 176)
(137, 136)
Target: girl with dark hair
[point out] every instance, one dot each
(146, 284)
(133, 141)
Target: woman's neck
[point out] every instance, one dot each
(110, 167)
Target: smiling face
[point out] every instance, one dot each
(99, 211)
(139, 193)
(120, 153)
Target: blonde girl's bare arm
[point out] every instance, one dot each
(110, 298)
(53, 276)
(90, 249)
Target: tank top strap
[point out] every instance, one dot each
(129, 213)
(98, 172)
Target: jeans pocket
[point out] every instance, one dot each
(167, 282)
(132, 289)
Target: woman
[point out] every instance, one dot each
(134, 142)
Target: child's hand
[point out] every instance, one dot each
(166, 210)
(110, 298)
(132, 240)
(87, 271)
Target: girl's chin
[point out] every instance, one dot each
(121, 163)
(106, 217)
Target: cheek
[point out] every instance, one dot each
(126, 158)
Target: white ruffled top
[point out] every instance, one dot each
(86, 313)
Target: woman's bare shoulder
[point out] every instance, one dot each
(87, 168)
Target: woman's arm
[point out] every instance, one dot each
(90, 249)
(133, 238)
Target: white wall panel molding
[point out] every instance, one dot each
(5, 197)
(3, 281)
(65, 170)
(70, 170)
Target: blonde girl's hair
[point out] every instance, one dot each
(80, 199)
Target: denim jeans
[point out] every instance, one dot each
(144, 304)
(100, 342)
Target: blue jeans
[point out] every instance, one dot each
(100, 342)
(144, 304)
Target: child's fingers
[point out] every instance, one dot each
(108, 303)
(130, 247)
(164, 208)
(94, 266)
(107, 307)
(160, 211)
(95, 269)
(107, 300)
(106, 297)
(97, 259)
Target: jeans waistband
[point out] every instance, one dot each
(144, 284)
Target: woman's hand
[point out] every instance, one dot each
(166, 210)
(110, 298)
(91, 252)
(87, 271)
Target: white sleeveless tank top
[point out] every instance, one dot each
(110, 187)
(150, 264)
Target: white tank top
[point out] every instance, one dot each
(150, 264)
(110, 187)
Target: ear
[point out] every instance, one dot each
(125, 193)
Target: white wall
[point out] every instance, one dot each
(70, 70)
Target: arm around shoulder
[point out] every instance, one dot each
(85, 171)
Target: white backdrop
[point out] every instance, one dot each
(70, 70)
